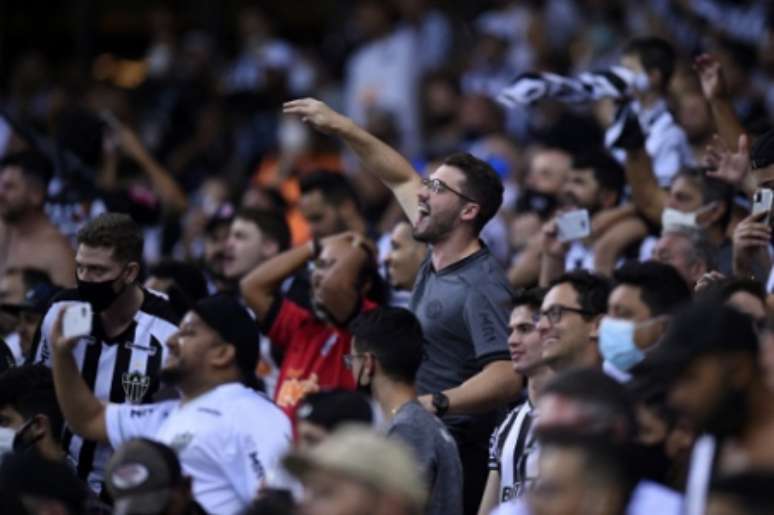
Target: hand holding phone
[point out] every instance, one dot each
(76, 320)
(573, 225)
(763, 201)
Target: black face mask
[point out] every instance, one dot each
(100, 294)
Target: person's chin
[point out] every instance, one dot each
(170, 375)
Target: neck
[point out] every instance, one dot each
(50, 450)
(537, 381)
(29, 223)
(391, 395)
(120, 314)
(201, 385)
(456, 247)
(649, 99)
(716, 235)
(761, 412)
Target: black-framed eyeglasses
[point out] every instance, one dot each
(349, 359)
(554, 313)
(438, 186)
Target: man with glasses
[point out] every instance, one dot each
(512, 460)
(461, 296)
(569, 318)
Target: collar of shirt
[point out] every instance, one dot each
(649, 116)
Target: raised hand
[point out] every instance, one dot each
(710, 74)
(731, 167)
(315, 113)
(550, 244)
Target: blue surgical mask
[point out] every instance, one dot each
(616, 343)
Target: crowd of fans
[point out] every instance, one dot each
(513, 258)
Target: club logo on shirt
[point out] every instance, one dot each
(135, 386)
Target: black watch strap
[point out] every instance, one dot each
(440, 403)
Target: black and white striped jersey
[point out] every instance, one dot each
(123, 369)
(513, 452)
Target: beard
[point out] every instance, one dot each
(172, 375)
(729, 415)
(436, 228)
(11, 215)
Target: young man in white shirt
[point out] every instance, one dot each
(229, 438)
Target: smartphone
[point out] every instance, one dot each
(763, 201)
(573, 225)
(77, 319)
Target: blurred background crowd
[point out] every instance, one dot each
(654, 117)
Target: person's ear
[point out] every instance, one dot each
(40, 426)
(608, 199)
(269, 248)
(224, 355)
(132, 272)
(470, 212)
(655, 79)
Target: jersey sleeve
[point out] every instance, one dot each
(486, 317)
(283, 320)
(251, 461)
(125, 421)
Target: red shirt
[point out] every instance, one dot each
(313, 353)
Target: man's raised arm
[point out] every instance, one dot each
(84, 413)
(376, 156)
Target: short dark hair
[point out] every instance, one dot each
(607, 171)
(712, 190)
(532, 298)
(595, 388)
(481, 184)
(394, 336)
(662, 288)
(34, 165)
(724, 289)
(335, 187)
(115, 231)
(271, 223)
(655, 54)
(592, 290)
(752, 489)
(603, 460)
(29, 389)
(332, 408)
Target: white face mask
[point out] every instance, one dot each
(616, 343)
(6, 440)
(671, 217)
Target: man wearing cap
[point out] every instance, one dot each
(358, 472)
(229, 437)
(27, 236)
(320, 413)
(145, 477)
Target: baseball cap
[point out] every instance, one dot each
(331, 408)
(36, 298)
(762, 151)
(140, 475)
(699, 329)
(358, 453)
(231, 320)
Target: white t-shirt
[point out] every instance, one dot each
(229, 441)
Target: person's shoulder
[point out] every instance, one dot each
(158, 307)
(243, 401)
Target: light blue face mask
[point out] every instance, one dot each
(616, 343)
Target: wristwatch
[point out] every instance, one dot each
(440, 403)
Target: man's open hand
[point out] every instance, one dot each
(315, 113)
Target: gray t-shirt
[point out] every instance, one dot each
(436, 453)
(463, 310)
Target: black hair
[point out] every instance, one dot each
(29, 389)
(654, 54)
(532, 298)
(724, 289)
(115, 231)
(481, 184)
(332, 408)
(751, 489)
(334, 187)
(394, 336)
(271, 223)
(188, 283)
(662, 288)
(712, 190)
(595, 388)
(762, 150)
(592, 291)
(608, 172)
(34, 166)
(603, 461)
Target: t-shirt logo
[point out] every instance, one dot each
(434, 309)
(135, 386)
